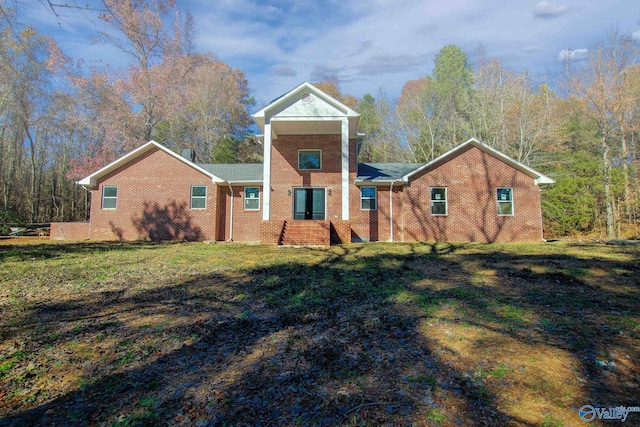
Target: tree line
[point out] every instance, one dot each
(583, 133)
(60, 120)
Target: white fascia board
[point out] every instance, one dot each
(307, 119)
(92, 179)
(242, 183)
(381, 183)
(544, 180)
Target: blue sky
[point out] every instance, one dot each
(368, 45)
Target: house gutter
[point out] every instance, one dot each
(230, 239)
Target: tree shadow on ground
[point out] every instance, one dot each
(354, 339)
(50, 250)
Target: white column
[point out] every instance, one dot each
(345, 169)
(266, 172)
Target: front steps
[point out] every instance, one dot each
(305, 233)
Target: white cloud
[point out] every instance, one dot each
(572, 55)
(391, 64)
(546, 10)
(371, 44)
(283, 70)
(531, 49)
(321, 72)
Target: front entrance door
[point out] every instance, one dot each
(308, 203)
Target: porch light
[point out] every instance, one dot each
(329, 192)
(289, 193)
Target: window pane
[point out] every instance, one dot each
(318, 203)
(252, 204)
(505, 194)
(198, 203)
(438, 208)
(505, 208)
(369, 192)
(369, 204)
(309, 159)
(110, 191)
(368, 198)
(109, 203)
(438, 194)
(198, 191)
(251, 193)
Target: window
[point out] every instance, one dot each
(251, 199)
(109, 197)
(309, 159)
(368, 201)
(505, 201)
(198, 197)
(438, 201)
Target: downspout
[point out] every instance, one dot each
(391, 212)
(230, 215)
(541, 220)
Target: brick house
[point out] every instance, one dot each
(310, 189)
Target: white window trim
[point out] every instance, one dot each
(375, 197)
(513, 205)
(446, 201)
(206, 192)
(310, 149)
(109, 197)
(245, 199)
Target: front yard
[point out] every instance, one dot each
(371, 334)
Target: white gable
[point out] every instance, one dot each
(309, 105)
(307, 110)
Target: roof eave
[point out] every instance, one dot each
(244, 182)
(544, 180)
(384, 182)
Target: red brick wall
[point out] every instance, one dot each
(285, 174)
(270, 231)
(246, 223)
(471, 178)
(341, 232)
(69, 231)
(375, 225)
(154, 202)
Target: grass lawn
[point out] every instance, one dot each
(370, 334)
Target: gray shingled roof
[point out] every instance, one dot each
(368, 172)
(235, 172)
(385, 171)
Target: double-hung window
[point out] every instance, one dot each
(309, 159)
(439, 201)
(251, 199)
(368, 199)
(198, 197)
(109, 197)
(504, 197)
